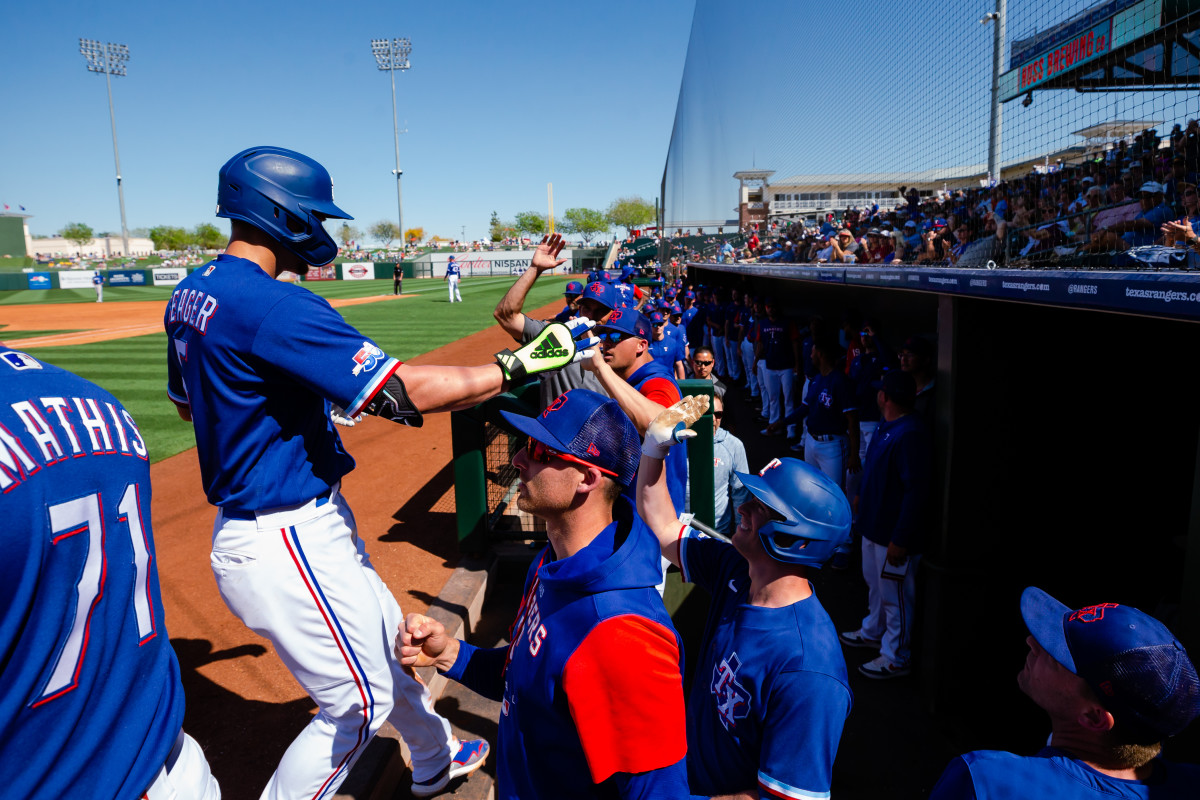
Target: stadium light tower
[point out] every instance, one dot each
(110, 59)
(391, 55)
(998, 18)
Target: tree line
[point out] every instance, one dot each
(629, 213)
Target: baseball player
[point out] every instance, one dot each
(453, 274)
(254, 363)
(770, 672)
(1115, 683)
(89, 685)
(398, 278)
(590, 688)
(98, 285)
(571, 295)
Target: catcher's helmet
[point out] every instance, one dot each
(284, 194)
(816, 514)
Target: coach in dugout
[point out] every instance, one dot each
(590, 687)
(1115, 683)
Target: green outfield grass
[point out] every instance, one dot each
(135, 369)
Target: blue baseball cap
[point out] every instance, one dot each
(676, 309)
(689, 295)
(602, 293)
(626, 273)
(574, 289)
(627, 320)
(657, 318)
(1135, 665)
(588, 426)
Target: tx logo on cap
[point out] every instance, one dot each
(772, 464)
(1091, 613)
(558, 403)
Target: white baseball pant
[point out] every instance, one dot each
(302, 578)
(891, 603)
(453, 289)
(185, 775)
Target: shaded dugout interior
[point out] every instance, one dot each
(1066, 457)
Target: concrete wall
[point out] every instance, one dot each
(105, 247)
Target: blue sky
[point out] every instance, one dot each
(501, 99)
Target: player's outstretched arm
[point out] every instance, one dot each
(508, 310)
(671, 426)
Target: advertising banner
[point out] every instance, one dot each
(75, 279)
(40, 280)
(358, 271)
(127, 277)
(169, 276)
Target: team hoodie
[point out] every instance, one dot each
(591, 686)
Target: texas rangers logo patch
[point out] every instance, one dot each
(733, 701)
(366, 358)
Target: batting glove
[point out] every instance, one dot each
(673, 425)
(554, 348)
(338, 415)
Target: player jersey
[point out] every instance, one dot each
(829, 398)
(894, 494)
(573, 718)
(667, 351)
(257, 361)
(777, 338)
(656, 382)
(866, 371)
(452, 270)
(89, 686)
(997, 775)
(770, 695)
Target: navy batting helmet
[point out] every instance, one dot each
(284, 194)
(815, 512)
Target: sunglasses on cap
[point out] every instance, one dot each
(541, 453)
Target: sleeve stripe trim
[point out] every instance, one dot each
(177, 401)
(683, 538)
(779, 789)
(367, 393)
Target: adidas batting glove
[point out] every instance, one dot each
(554, 348)
(673, 425)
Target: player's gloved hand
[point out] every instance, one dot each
(673, 425)
(555, 347)
(338, 415)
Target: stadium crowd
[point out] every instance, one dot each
(1132, 204)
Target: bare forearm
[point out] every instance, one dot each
(508, 310)
(656, 508)
(436, 388)
(640, 410)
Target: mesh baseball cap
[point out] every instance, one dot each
(627, 320)
(1137, 668)
(589, 426)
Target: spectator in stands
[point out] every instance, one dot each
(1115, 683)
(843, 249)
(1142, 229)
(892, 517)
(987, 248)
(879, 247)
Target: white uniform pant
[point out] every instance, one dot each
(718, 348)
(733, 358)
(780, 386)
(99, 292)
(829, 457)
(185, 775)
(761, 370)
(747, 355)
(453, 288)
(854, 479)
(891, 604)
(302, 578)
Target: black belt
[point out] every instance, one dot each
(826, 437)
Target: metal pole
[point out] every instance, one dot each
(396, 133)
(998, 22)
(112, 116)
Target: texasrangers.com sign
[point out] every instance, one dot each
(358, 271)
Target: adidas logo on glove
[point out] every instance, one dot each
(549, 348)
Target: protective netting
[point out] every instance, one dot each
(824, 109)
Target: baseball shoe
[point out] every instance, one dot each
(881, 669)
(470, 757)
(856, 639)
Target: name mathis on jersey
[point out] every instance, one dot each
(191, 307)
(60, 428)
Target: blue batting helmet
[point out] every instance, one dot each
(284, 194)
(816, 514)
